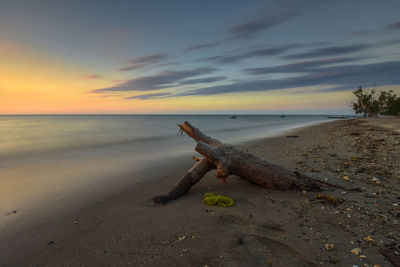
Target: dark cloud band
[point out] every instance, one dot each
(161, 80)
(329, 51)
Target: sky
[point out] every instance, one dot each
(208, 57)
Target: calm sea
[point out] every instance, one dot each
(44, 157)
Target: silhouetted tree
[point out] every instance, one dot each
(370, 105)
(390, 103)
(366, 103)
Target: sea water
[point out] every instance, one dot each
(44, 158)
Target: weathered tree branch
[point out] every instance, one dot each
(197, 135)
(186, 182)
(227, 160)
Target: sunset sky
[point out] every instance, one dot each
(267, 57)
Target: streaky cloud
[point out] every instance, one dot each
(301, 66)
(384, 30)
(144, 61)
(246, 30)
(167, 64)
(161, 80)
(202, 46)
(205, 59)
(203, 80)
(347, 76)
(148, 96)
(268, 51)
(232, 58)
(330, 51)
(252, 28)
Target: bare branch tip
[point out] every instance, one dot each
(180, 129)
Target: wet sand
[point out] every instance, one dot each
(264, 228)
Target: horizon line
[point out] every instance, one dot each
(211, 114)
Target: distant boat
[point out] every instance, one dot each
(283, 116)
(233, 117)
(337, 117)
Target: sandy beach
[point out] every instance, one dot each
(264, 228)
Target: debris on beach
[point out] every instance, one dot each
(329, 247)
(181, 238)
(368, 239)
(330, 199)
(12, 212)
(212, 199)
(375, 180)
(356, 251)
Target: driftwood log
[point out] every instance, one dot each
(229, 160)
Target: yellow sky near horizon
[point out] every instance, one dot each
(32, 82)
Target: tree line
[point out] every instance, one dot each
(371, 103)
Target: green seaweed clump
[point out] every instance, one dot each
(212, 199)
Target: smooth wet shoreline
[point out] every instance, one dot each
(80, 172)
